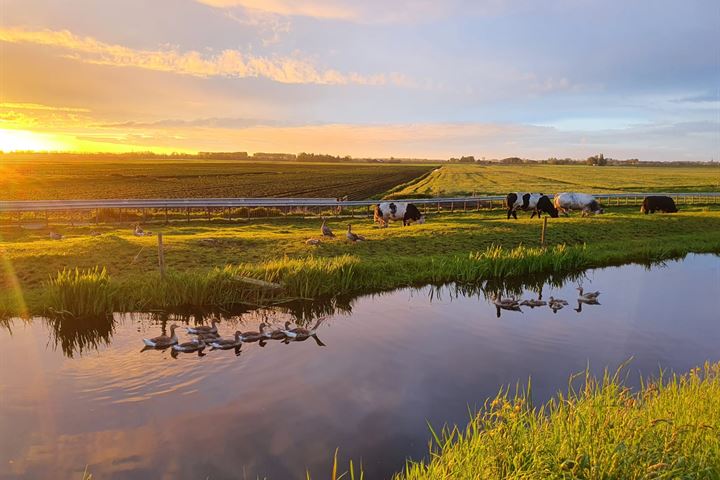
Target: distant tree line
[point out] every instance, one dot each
(595, 160)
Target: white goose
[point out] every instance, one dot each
(163, 341)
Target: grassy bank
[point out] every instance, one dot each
(669, 428)
(207, 262)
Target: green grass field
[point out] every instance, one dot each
(452, 180)
(90, 179)
(442, 250)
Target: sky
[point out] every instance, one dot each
(405, 78)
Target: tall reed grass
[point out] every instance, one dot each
(80, 293)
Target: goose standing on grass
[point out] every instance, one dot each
(354, 237)
(212, 328)
(325, 230)
(163, 341)
(193, 345)
(227, 343)
(589, 296)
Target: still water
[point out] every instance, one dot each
(73, 397)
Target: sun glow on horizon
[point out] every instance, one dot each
(13, 140)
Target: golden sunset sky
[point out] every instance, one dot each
(409, 78)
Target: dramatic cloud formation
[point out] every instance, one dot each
(411, 78)
(231, 63)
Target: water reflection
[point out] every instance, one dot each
(275, 410)
(76, 336)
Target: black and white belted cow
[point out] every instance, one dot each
(407, 212)
(567, 201)
(537, 202)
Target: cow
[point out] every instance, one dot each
(661, 203)
(567, 201)
(537, 202)
(407, 212)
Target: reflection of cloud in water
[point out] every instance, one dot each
(400, 359)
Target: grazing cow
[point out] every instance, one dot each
(661, 203)
(565, 202)
(407, 212)
(545, 205)
(537, 202)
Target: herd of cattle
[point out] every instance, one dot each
(537, 203)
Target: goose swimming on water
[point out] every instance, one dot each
(212, 328)
(300, 333)
(163, 341)
(254, 336)
(227, 343)
(587, 296)
(193, 345)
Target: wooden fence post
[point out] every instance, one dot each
(542, 234)
(161, 255)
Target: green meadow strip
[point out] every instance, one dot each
(92, 292)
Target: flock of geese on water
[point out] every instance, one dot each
(207, 335)
(555, 304)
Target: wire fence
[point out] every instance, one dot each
(146, 210)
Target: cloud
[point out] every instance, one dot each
(317, 8)
(377, 11)
(661, 141)
(227, 63)
(38, 106)
(701, 98)
(200, 122)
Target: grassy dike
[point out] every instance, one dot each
(84, 274)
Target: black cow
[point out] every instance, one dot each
(661, 203)
(545, 205)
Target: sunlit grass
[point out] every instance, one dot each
(204, 261)
(669, 428)
(453, 180)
